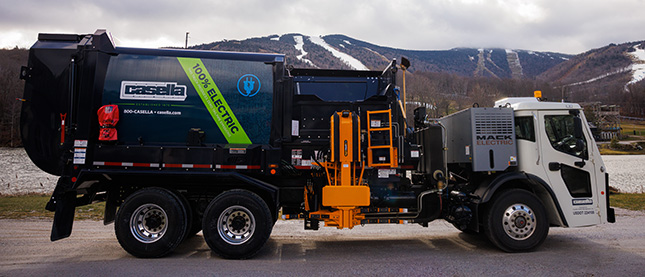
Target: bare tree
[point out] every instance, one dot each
(11, 88)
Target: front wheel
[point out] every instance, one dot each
(516, 221)
(236, 224)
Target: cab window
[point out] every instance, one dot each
(524, 128)
(560, 130)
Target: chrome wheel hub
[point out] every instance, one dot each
(236, 225)
(519, 221)
(148, 223)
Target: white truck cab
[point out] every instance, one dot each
(555, 144)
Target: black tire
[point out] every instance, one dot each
(516, 221)
(190, 218)
(151, 223)
(236, 224)
(196, 225)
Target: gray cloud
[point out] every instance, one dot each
(568, 26)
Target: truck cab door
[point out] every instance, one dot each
(571, 175)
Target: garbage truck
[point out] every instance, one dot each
(178, 141)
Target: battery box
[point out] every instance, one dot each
(484, 137)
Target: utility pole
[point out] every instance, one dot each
(13, 113)
(186, 47)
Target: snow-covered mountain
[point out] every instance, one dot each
(601, 71)
(342, 52)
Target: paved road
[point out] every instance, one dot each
(374, 250)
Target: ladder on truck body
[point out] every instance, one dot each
(379, 140)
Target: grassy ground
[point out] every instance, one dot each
(630, 201)
(33, 206)
(606, 150)
(629, 127)
(632, 131)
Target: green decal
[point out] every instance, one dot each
(214, 101)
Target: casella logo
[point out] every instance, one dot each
(145, 90)
(584, 201)
(248, 85)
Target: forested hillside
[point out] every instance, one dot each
(10, 88)
(613, 74)
(308, 51)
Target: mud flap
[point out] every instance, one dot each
(110, 207)
(63, 202)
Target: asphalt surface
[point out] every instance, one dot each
(374, 250)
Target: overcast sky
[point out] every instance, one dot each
(567, 26)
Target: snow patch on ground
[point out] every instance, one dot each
(638, 67)
(20, 176)
(619, 71)
(638, 73)
(347, 59)
(639, 54)
(514, 63)
(300, 47)
(626, 172)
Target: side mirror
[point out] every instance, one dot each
(419, 117)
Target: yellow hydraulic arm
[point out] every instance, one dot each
(344, 193)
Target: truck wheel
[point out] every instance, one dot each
(151, 223)
(195, 228)
(516, 221)
(236, 224)
(189, 215)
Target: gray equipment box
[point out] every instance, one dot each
(484, 137)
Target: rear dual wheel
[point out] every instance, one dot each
(151, 222)
(236, 224)
(194, 224)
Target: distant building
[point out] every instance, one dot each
(606, 119)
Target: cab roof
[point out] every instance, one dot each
(532, 103)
